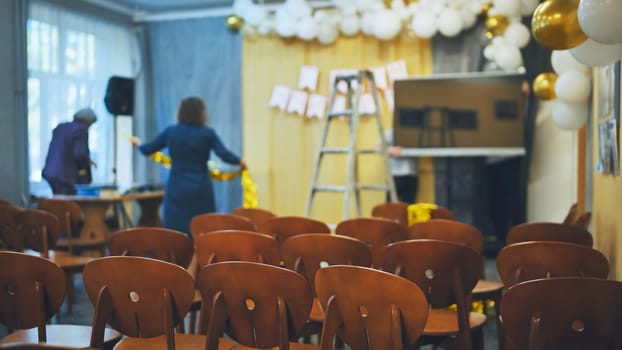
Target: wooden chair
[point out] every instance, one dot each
(39, 231)
(32, 292)
(256, 215)
(584, 220)
(377, 233)
(573, 217)
(9, 232)
(39, 346)
(447, 273)
(214, 222)
(257, 305)
(370, 309)
(236, 245)
(398, 211)
(69, 213)
(549, 231)
(153, 242)
(534, 260)
(308, 253)
(144, 299)
(569, 313)
(284, 227)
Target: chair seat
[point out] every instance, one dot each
(445, 322)
(317, 313)
(182, 341)
(487, 289)
(292, 346)
(81, 244)
(62, 335)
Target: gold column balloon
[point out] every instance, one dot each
(544, 86)
(234, 22)
(555, 24)
(497, 24)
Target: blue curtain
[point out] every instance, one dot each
(200, 57)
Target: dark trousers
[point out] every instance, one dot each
(59, 187)
(406, 188)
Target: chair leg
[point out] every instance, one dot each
(192, 327)
(70, 293)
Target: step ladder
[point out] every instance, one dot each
(352, 189)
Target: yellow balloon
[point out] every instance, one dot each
(555, 24)
(486, 6)
(544, 86)
(497, 24)
(234, 22)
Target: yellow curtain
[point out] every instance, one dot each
(281, 148)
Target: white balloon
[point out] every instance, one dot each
(562, 61)
(285, 25)
(490, 52)
(387, 24)
(528, 6)
(450, 22)
(364, 5)
(569, 116)
(350, 25)
(307, 29)
(595, 54)
(425, 24)
(266, 27)
(498, 40)
(327, 35)
(255, 15)
(508, 57)
(600, 20)
(517, 34)
(573, 87)
(241, 6)
(367, 23)
(507, 7)
(468, 18)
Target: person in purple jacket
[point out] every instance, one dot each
(68, 160)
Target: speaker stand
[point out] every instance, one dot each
(114, 152)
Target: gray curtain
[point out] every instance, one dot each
(198, 57)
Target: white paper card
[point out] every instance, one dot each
(316, 106)
(280, 97)
(297, 102)
(308, 77)
(380, 76)
(389, 98)
(366, 104)
(397, 70)
(339, 105)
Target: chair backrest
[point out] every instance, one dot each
(306, 254)
(373, 309)
(434, 266)
(153, 242)
(9, 232)
(38, 230)
(377, 233)
(533, 260)
(139, 297)
(262, 305)
(256, 215)
(584, 220)
(33, 289)
(398, 211)
(215, 222)
(564, 313)
(283, 227)
(549, 231)
(571, 216)
(450, 231)
(38, 346)
(68, 213)
(236, 245)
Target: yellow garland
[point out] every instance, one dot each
(420, 212)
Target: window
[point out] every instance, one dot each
(70, 58)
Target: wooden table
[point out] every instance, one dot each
(149, 203)
(94, 211)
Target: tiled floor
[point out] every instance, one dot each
(83, 310)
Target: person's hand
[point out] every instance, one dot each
(395, 151)
(135, 141)
(92, 162)
(243, 165)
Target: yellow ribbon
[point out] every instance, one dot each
(420, 212)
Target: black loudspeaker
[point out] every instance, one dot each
(119, 99)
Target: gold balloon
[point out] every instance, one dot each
(486, 6)
(497, 24)
(544, 86)
(234, 22)
(555, 24)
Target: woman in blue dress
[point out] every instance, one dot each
(189, 190)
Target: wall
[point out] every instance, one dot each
(606, 218)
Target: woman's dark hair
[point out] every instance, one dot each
(192, 111)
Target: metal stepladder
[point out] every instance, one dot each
(352, 189)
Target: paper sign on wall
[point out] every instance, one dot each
(380, 76)
(339, 105)
(366, 104)
(280, 97)
(342, 86)
(308, 77)
(316, 106)
(297, 102)
(389, 98)
(397, 70)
